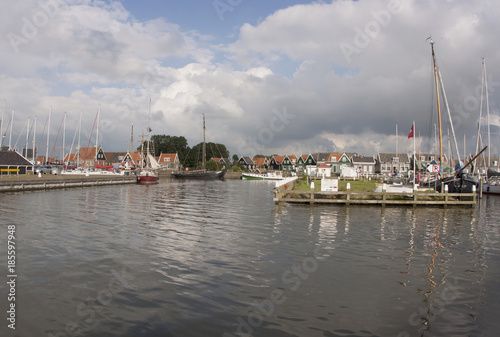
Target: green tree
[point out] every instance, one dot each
(193, 158)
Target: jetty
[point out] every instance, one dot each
(32, 183)
(285, 193)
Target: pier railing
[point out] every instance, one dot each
(31, 185)
(282, 195)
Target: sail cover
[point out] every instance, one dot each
(153, 161)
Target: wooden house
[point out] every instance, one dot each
(169, 160)
(289, 163)
(337, 161)
(12, 162)
(391, 163)
(276, 163)
(364, 165)
(247, 163)
(305, 163)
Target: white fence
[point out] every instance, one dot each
(285, 181)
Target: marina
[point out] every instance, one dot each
(219, 258)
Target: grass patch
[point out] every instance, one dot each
(356, 186)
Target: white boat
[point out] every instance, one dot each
(492, 186)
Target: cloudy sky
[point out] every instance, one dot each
(281, 76)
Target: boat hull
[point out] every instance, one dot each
(458, 184)
(147, 178)
(200, 175)
(491, 189)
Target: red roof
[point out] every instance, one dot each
(324, 166)
(259, 161)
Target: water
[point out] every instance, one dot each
(220, 259)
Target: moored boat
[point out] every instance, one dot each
(202, 174)
(492, 186)
(149, 173)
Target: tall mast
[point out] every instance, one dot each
(97, 132)
(10, 135)
(64, 137)
(438, 105)
(79, 134)
(27, 138)
(149, 135)
(48, 134)
(397, 140)
(34, 141)
(132, 139)
(1, 125)
(487, 113)
(204, 149)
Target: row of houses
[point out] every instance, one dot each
(326, 164)
(91, 156)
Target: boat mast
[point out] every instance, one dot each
(34, 143)
(438, 105)
(97, 132)
(487, 113)
(79, 136)
(27, 138)
(132, 139)
(10, 135)
(48, 134)
(204, 149)
(64, 139)
(1, 125)
(149, 135)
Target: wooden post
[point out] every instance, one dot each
(445, 196)
(312, 193)
(348, 194)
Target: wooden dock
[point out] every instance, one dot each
(286, 194)
(33, 184)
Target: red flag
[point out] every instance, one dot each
(411, 133)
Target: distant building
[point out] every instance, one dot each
(391, 163)
(246, 162)
(261, 162)
(305, 163)
(324, 171)
(288, 163)
(364, 165)
(337, 161)
(275, 163)
(169, 160)
(12, 162)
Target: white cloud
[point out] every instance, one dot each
(90, 53)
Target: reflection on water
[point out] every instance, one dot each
(220, 259)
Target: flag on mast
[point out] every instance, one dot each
(411, 132)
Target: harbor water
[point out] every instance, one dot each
(219, 258)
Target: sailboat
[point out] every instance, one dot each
(149, 173)
(202, 174)
(459, 182)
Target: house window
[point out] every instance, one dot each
(395, 159)
(432, 158)
(422, 158)
(167, 159)
(334, 159)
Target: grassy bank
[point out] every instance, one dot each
(356, 186)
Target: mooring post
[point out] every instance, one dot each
(348, 194)
(312, 193)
